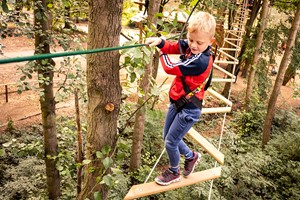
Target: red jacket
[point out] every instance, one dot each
(196, 68)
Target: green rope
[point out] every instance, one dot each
(70, 53)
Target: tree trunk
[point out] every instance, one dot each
(279, 79)
(67, 17)
(138, 133)
(79, 156)
(103, 88)
(47, 101)
(289, 74)
(259, 40)
(249, 25)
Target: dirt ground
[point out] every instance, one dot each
(24, 109)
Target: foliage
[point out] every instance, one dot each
(249, 172)
(253, 173)
(24, 151)
(248, 124)
(264, 83)
(129, 10)
(271, 43)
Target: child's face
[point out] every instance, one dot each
(198, 41)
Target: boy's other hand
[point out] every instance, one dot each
(153, 41)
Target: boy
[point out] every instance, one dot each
(193, 70)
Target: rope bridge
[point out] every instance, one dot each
(232, 43)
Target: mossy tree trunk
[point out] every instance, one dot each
(249, 24)
(279, 79)
(259, 40)
(45, 72)
(139, 125)
(104, 90)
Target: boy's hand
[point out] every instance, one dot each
(153, 41)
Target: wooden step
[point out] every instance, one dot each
(228, 55)
(147, 189)
(219, 96)
(225, 62)
(216, 110)
(223, 70)
(222, 80)
(231, 43)
(229, 49)
(207, 146)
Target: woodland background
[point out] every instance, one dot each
(61, 121)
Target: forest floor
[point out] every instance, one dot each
(24, 109)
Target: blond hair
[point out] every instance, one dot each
(202, 21)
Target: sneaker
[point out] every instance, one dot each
(189, 164)
(168, 177)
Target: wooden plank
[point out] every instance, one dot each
(225, 62)
(222, 80)
(147, 189)
(216, 110)
(231, 43)
(229, 49)
(223, 70)
(231, 33)
(228, 55)
(207, 146)
(234, 39)
(219, 96)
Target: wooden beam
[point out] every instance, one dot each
(207, 146)
(147, 189)
(228, 55)
(223, 80)
(216, 110)
(224, 71)
(231, 33)
(219, 96)
(231, 43)
(225, 62)
(229, 49)
(234, 39)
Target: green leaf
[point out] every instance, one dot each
(2, 152)
(106, 149)
(86, 162)
(38, 15)
(97, 196)
(50, 5)
(193, 3)
(44, 62)
(108, 180)
(23, 78)
(4, 6)
(116, 170)
(132, 77)
(7, 144)
(107, 162)
(99, 154)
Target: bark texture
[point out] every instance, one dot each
(279, 79)
(47, 101)
(103, 88)
(139, 125)
(259, 40)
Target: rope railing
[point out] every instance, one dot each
(70, 53)
(62, 54)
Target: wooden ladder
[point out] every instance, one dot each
(150, 188)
